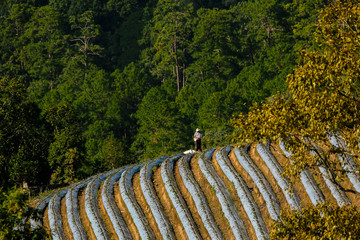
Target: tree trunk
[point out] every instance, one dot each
(176, 64)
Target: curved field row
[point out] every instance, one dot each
(153, 201)
(72, 211)
(272, 202)
(199, 198)
(247, 200)
(276, 169)
(307, 180)
(338, 194)
(92, 207)
(231, 193)
(128, 195)
(347, 162)
(167, 205)
(228, 207)
(109, 203)
(54, 214)
(41, 205)
(167, 174)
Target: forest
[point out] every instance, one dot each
(87, 86)
(90, 86)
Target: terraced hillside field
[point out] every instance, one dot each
(228, 193)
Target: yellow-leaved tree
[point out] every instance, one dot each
(322, 102)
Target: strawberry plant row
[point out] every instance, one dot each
(72, 210)
(92, 206)
(199, 198)
(128, 195)
(245, 196)
(153, 201)
(167, 174)
(347, 161)
(107, 195)
(272, 202)
(307, 179)
(54, 214)
(276, 170)
(227, 205)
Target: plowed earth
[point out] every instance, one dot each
(266, 171)
(168, 206)
(125, 213)
(105, 218)
(46, 221)
(190, 203)
(83, 216)
(234, 196)
(65, 223)
(259, 199)
(212, 200)
(144, 206)
(210, 196)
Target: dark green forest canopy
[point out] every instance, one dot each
(87, 86)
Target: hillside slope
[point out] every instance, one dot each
(228, 193)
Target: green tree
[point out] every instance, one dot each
(161, 127)
(97, 135)
(322, 99)
(264, 20)
(247, 88)
(85, 33)
(190, 98)
(214, 47)
(80, 71)
(129, 87)
(76, 8)
(66, 152)
(24, 137)
(12, 29)
(93, 95)
(124, 46)
(211, 104)
(303, 16)
(322, 222)
(212, 114)
(14, 208)
(45, 44)
(116, 153)
(267, 40)
(171, 31)
(44, 50)
(123, 8)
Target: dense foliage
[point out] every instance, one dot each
(322, 222)
(87, 86)
(322, 100)
(90, 86)
(318, 120)
(13, 211)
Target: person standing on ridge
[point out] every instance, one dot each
(197, 139)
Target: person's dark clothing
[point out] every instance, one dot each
(197, 139)
(198, 145)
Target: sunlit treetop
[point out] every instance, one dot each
(322, 96)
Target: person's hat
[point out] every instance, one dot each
(198, 129)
